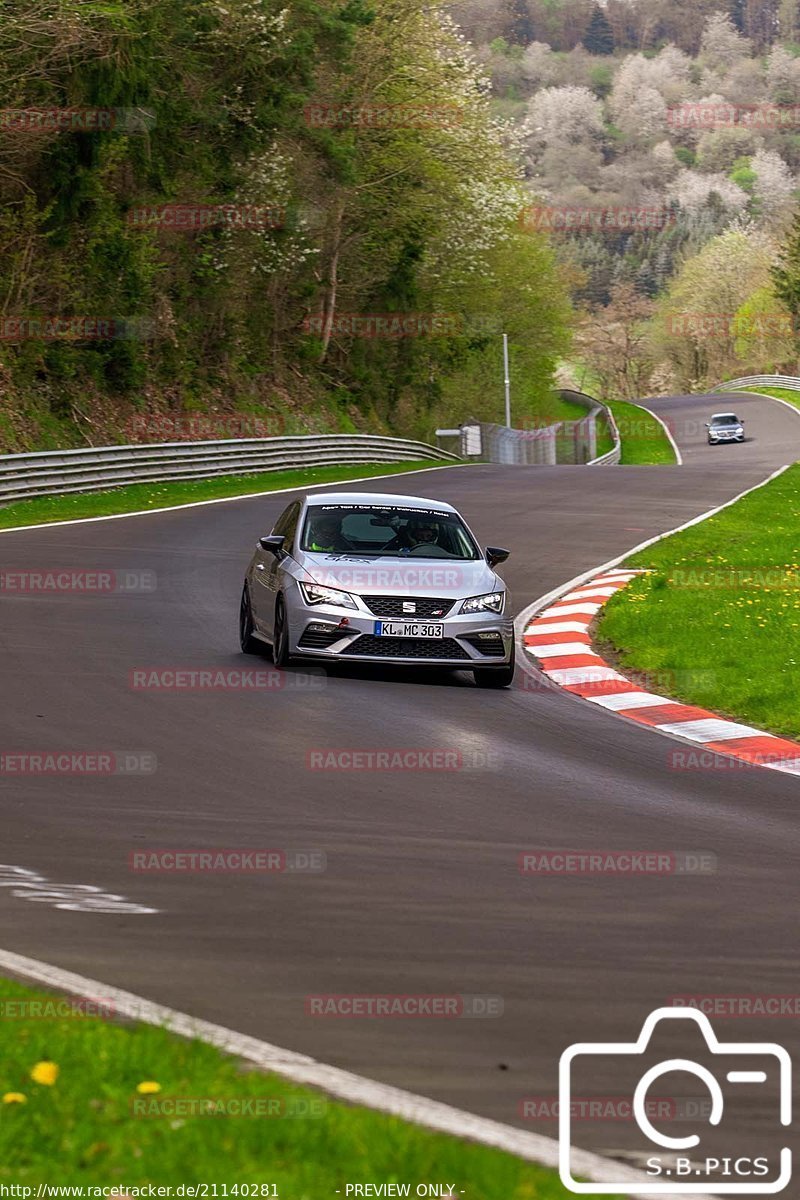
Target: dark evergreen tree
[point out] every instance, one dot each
(599, 35)
(520, 28)
(736, 10)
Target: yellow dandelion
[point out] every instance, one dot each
(148, 1087)
(45, 1073)
(14, 1098)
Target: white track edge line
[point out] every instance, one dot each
(147, 512)
(765, 396)
(299, 1068)
(152, 512)
(664, 426)
(355, 1089)
(523, 620)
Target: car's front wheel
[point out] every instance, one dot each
(249, 644)
(280, 643)
(495, 677)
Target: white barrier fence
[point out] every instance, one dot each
(564, 442)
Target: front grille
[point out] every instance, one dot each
(392, 606)
(387, 647)
(491, 646)
(320, 639)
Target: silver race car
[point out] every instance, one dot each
(724, 427)
(361, 577)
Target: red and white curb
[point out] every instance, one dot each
(558, 638)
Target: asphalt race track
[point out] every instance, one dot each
(422, 893)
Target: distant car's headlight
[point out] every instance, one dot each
(493, 602)
(315, 593)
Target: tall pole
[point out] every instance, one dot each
(507, 380)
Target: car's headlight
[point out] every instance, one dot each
(492, 602)
(315, 593)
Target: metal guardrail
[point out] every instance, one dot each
(612, 456)
(789, 382)
(53, 472)
(601, 411)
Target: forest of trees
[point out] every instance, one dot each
(410, 162)
(687, 114)
(620, 25)
(363, 133)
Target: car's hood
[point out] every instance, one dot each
(407, 576)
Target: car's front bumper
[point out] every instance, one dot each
(334, 633)
(727, 437)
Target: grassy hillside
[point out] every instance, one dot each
(306, 216)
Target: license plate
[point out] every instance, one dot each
(411, 629)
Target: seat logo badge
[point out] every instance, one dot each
(409, 607)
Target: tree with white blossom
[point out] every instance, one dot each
(539, 65)
(692, 191)
(774, 185)
(721, 43)
(783, 76)
(564, 116)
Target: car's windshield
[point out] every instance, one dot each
(386, 531)
(725, 419)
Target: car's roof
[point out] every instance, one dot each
(725, 414)
(379, 499)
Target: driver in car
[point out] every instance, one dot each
(326, 536)
(421, 531)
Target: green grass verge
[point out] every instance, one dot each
(642, 436)
(605, 439)
(568, 410)
(720, 611)
(140, 496)
(85, 1128)
(781, 393)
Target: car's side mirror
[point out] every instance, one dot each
(272, 544)
(496, 555)
(708, 424)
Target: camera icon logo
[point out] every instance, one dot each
(682, 1165)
